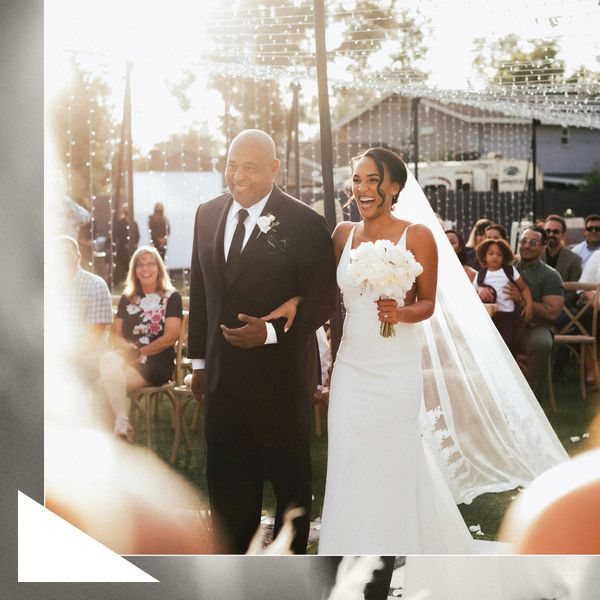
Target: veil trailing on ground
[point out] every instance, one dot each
(483, 423)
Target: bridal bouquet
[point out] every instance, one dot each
(383, 270)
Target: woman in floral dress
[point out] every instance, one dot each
(146, 327)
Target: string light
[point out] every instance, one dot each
(263, 49)
(89, 164)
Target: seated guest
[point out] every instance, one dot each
(591, 242)
(590, 274)
(534, 339)
(568, 264)
(147, 325)
(85, 304)
(556, 254)
(458, 244)
(496, 257)
(496, 232)
(475, 237)
(591, 271)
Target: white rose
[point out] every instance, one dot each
(265, 223)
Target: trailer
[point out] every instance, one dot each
(491, 174)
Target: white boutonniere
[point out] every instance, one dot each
(267, 223)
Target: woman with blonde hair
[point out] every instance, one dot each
(476, 236)
(146, 327)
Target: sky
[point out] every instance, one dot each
(161, 37)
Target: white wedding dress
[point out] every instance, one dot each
(384, 493)
(450, 379)
(489, 577)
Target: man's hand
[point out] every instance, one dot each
(485, 294)
(198, 385)
(251, 335)
(512, 291)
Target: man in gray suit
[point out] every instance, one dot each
(568, 264)
(557, 255)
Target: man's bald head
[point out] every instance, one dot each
(252, 166)
(259, 140)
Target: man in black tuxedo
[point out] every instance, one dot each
(254, 248)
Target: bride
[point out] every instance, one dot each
(439, 384)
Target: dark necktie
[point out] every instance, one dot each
(233, 256)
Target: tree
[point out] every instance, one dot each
(583, 76)
(511, 61)
(265, 34)
(379, 40)
(83, 128)
(592, 179)
(190, 151)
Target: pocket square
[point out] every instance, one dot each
(277, 245)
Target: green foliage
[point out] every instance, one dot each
(251, 103)
(190, 151)
(86, 147)
(179, 89)
(510, 61)
(369, 28)
(592, 179)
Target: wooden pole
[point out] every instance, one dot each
(537, 210)
(415, 112)
(324, 115)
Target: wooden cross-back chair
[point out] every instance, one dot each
(144, 400)
(576, 336)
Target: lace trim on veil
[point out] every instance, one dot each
(487, 430)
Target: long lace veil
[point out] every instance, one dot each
(483, 423)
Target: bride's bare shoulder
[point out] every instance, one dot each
(419, 231)
(419, 236)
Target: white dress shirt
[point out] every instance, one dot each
(254, 212)
(591, 271)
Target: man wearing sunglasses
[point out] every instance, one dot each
(556, 254)
(591, 242)
(534, 339)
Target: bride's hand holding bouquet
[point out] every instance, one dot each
(386, 272)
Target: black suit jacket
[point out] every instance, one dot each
(294, 258)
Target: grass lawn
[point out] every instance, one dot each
(572, 420)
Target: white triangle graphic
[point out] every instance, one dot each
(50, 549)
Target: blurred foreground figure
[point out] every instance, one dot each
(123, 496)
(559, 513)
